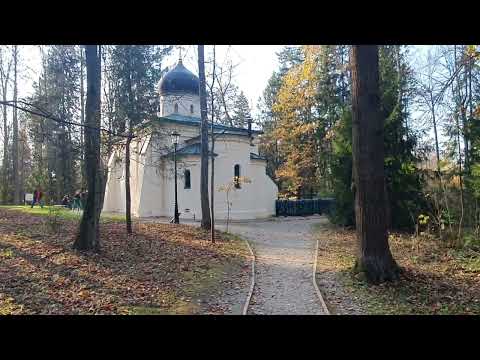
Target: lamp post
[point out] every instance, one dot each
(175, 136)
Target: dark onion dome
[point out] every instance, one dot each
(179, 80)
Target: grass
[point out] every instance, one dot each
(63, 213)
(160, 269)
(436, 279)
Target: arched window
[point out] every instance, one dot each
(175, 108)
(191, 109)
(187, 179)
(236, 175)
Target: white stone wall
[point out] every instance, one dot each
(152, 179)
(167, 105)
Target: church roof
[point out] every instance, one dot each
(179, 80)
(192, 149)
(257, 157)
(193, 120)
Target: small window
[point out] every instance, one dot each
(175, 108)
(236, 175)
(187, 179)
(191, 109)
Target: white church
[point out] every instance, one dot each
(152, 167)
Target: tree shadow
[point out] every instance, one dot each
(153, 268)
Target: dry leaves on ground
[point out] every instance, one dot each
(435, 280)
(162, 268)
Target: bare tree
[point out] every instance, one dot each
(128, 200)
(226, 92)
(430, 91)
(460, 100)
(5, 68)
(206, 221)
(212, 156)
(16, 180)
(374, 258)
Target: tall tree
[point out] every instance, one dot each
(374, 258)
(88, 237)
(241, 111)
(5, 67)
(212, 153)
(82, 112)
(206, 220)
(16, 179)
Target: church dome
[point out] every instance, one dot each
(179, 80)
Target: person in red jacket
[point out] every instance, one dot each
(37, 198)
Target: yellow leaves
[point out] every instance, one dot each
(298, 89)
(83, 294)
(423, 219)
(476, 112)
(472, 52)
(231, 185)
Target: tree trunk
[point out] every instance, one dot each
(374, 257)
(206, 221)
(128, 201)
(437, 154)
(16, 179)
(88, 237)
(4, 78)
(212, 157)
(131, 111)
(459, 109)
(82, 116)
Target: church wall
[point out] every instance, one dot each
(252, 200)
(150, 194)
(114, 193)
(152, 181)
(255, 200)
(156, 193)
(184, 101)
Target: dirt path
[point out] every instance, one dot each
(284, 248)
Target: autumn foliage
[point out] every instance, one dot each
(161, 269)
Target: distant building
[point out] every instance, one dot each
(151, 168)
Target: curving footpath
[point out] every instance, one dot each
(284, 258)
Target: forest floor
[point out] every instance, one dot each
(160, 269)
(436, 279)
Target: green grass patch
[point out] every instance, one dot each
(62, 213)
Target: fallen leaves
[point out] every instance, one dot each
(436, 279)
(151, 270)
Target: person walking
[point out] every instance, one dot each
(37, 198)
(83, 198)
(66, 201)
(35, 195)
(76, 201)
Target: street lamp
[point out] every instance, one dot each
(175, 136)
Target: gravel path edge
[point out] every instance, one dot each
(252, 285)
(317, 290)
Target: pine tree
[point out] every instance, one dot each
(241, 111)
